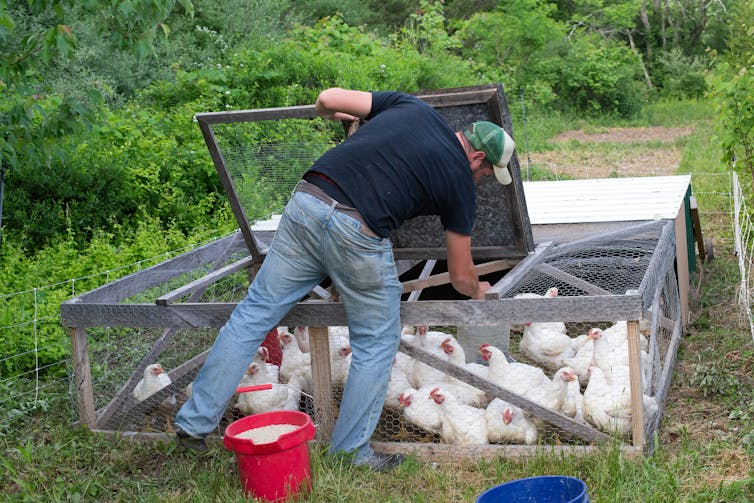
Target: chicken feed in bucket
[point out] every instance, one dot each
(272, 453)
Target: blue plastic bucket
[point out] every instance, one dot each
(545, 489)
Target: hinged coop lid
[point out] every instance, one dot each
(261, 154)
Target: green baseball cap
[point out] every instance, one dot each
(496, 144)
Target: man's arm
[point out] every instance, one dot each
(461, 269)
(343, 104)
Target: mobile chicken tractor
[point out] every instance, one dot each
(573, 346)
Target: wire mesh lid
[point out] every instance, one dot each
(261, 154)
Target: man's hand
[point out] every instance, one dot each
(463, 275)
(483, 287)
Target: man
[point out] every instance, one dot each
(402, 162)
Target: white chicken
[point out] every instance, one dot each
(425, 337)
(550, 293)
(461, 424)
(513, 376)
(617, 334)
(294, 361)
(553, 393)
(612, 357)
(547, 342)
(258, 362)
(340, 354)
(607, 406)
(581, 361)
(465, 392)
(154, 379)
(619, 384)
(507, 423)
(431, 342)
(419, 411)
(301, 334)
(278, 398)
(572, 404)
(399, 381)
(338, 331)
(405, 364)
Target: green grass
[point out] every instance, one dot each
(674, 113)
(55, 463)
(538, 128)
(704, 453)
(542, 125)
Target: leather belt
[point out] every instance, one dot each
(310, 188)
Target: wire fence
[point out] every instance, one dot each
(36, 366)
(30, 317)
(744, 249)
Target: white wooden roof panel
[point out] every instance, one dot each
(605, 199)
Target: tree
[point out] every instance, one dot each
(733, 91)
(35, 34)
(512, 38)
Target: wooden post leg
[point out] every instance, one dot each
(83, 378)
(324, 409)
(637, 403)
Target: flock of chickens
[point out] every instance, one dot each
(596, 362)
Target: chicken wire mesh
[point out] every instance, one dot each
(265, 159)
(122, 358)
(117, 352)
(614, 265)
(424, 404)
(120, 355)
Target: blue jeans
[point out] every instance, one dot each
(313, 241)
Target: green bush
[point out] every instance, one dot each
(680, 76)
(141, 163)
(732, 94)
(515, 42)
(595, 76)
(31, 335)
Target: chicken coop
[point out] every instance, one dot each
(614, 293)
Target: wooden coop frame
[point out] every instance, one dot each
(181, 308)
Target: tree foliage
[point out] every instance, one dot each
(33, 36)
(516, 41)
(584, 72)
(733, 92)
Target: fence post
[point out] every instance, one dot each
(83, 378)
(635, 371)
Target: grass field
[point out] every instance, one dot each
(705, 447)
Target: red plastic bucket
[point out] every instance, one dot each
(276, 470)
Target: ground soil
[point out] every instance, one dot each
(614, 152)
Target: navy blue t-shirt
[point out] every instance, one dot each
(404, 161)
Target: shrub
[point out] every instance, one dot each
(595, 76)
(680, 76)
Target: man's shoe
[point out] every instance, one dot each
(382, 462)
(189, 442)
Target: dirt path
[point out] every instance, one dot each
(612, 152)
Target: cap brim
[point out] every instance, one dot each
(503, 175)
(502, 169)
